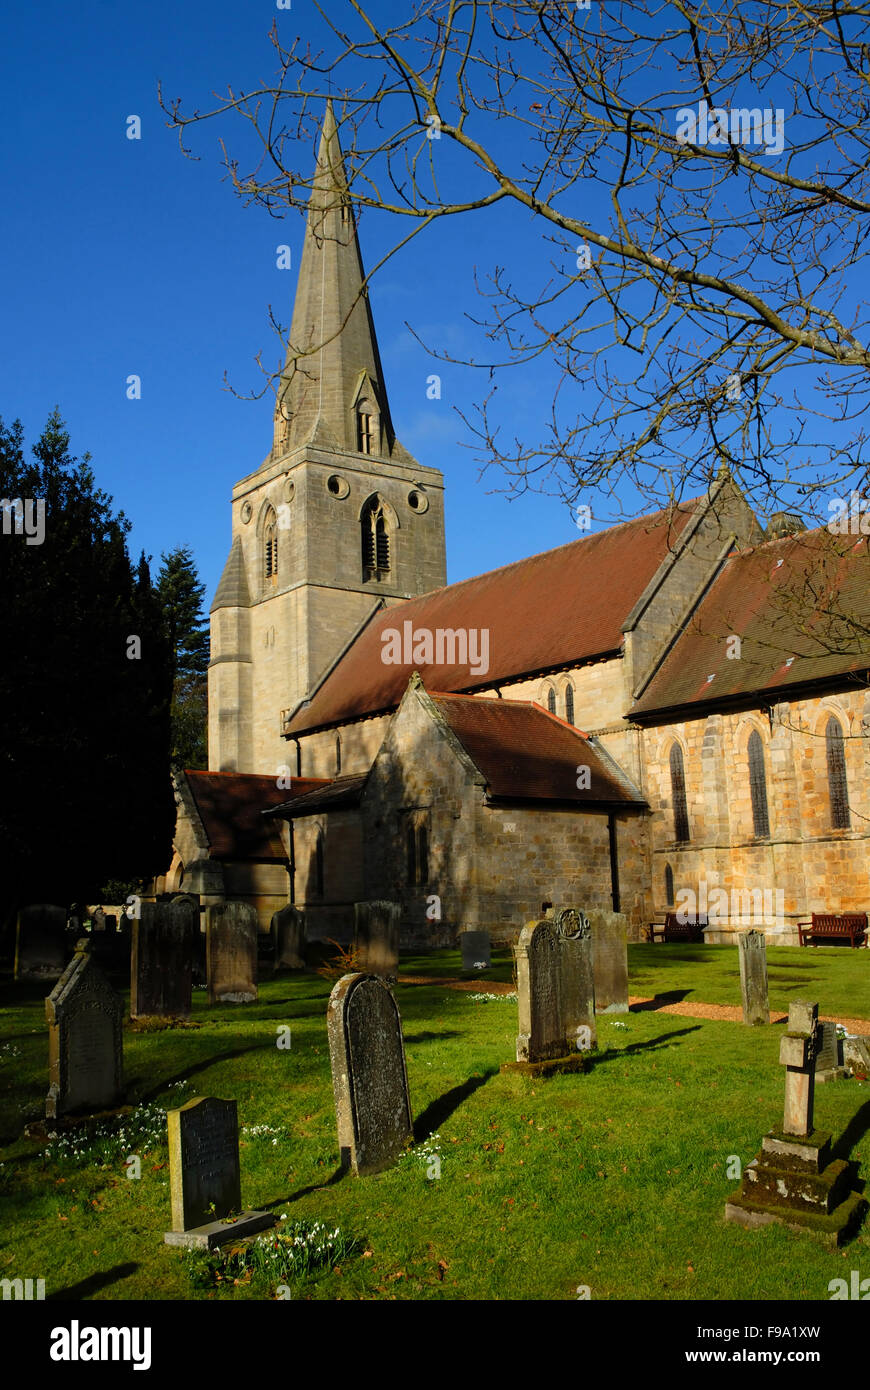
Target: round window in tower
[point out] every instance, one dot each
(247, 512)
(337, 485)
(417, 500)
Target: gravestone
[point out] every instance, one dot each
(476, 950)
(376, 937)
(610, 960)
(793, 1180)
(288, 933)
(369, 1076)
(231, 953)
(161, 960)
(828, 1065)
(549, 966)
(40, 943)
(85, 1050)
(752, 953)
(856, 1054)
(204, 1178)
(578, 978)
(98, 920)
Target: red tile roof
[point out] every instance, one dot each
(526, 753)
(229, 805)
(550, 610)
(786, 600)
(331, 796)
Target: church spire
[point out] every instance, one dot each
(332, 390)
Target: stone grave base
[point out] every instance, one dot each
(794, 1181)
(216, 1233)
(42, 1129)
(550, 1067)
(158, 1023)
(238, 996)
(834, 1074)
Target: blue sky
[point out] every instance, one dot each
(122, 257)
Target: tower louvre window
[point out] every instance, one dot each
(678, 796)
(375, 540)
(838, 789)
(758, 786)
(270, 546)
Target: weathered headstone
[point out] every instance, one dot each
(476, 950)
(828, 1065)
(231, 953)
(856, 1054)
(204, 1178)
(161, 960)
(85, 1050)
(752, 953)
(548, 967)
(288, 933)
(98, 920)
(578, 978)
(40, 945)
(610, 959)
(369, 1076)
(794, 1180)
(376, 937)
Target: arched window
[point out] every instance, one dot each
(337, 754)
(678, 795)
(367, 431)
(669, 886)
(375, 540)
(569, 703)
(551, 700)
(270, 546)
(758, 786)
(838, 789)
(412, 853)
(423, 855)
(318, 865)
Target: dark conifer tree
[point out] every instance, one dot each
(181, 596)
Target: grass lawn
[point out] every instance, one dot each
(615, 1179)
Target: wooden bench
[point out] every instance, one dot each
(834, 926)
(675, 930)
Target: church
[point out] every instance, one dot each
(653, 713)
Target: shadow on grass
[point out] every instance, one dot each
(93, 1283)
(433, 1117)
(304, 1191)
(671, 996)
(651, 1045)
(853, 1133)
(197, 1067)
(432, 1037)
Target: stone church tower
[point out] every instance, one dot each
(339, 519)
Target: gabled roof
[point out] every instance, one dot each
(330, 796)
(229, 806)
(801, 608)
(527, 754)
(554, 609)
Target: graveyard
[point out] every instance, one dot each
(610, 1182)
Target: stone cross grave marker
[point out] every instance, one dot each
(752, 953)
(85, 1049)
(288, 933)
(476, 950)
(231, 953)
(376, 937)
(610, 957)
(204, 1177)
(161, 960)
(797, 1053)
(369, 1076)
(40, 945)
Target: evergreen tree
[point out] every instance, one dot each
(181, 596)
(85, 687)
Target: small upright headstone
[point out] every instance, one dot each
(98, 920)
(752, 952)
(578, 978)
(369, 1076)
(476, 950)
(85, 1057)
(376, 937)
(40, 945)
(288, 933)
(549, 1009)
(856, 1054)
(231, 953)
(161, 960)
(610, 958)
(794, 1180)
(828, 1065)
(204, 1179)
